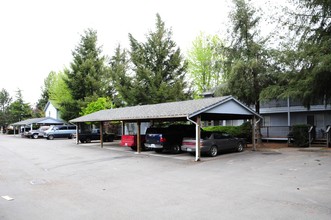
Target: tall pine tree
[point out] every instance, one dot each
(159, 68)
(19, 110)
(248, 70)
(306, 58)
(120, 84)
(86, 76)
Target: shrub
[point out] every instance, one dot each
(242, 131)
(299, 133)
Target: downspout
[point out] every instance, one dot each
(197, 142)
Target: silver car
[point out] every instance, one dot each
(36, 133)
(214, 142)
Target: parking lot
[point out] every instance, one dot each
(57, 179)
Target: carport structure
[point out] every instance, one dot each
(195, 111)
(37, 121)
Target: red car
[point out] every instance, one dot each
(131, 141)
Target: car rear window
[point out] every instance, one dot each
(155, 130)
(205, 135)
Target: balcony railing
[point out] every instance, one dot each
(275, 132)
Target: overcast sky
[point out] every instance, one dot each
(38, 36)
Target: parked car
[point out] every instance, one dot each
(36, 133)
(130, 140)
(94, 134)
(60, 131)
(169, 138)
(214, 142)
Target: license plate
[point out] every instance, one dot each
(189, 149)
(153, 145)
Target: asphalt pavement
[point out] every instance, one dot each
(57, 179)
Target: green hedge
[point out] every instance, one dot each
(242, 131)
(300, 135)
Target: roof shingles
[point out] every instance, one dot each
(181, 109)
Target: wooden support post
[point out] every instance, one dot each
(77, 133)
(254, 134)
(101, 133)
(123, 128)
(138, 138)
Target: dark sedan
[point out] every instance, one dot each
(214, 142)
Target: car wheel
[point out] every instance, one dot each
(240, 147)
(35, 136)
(176, 149)
(50, 137)
(88, 140)
(134, 148)
(213, 151)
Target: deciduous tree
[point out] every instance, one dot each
(101, 104)
(206, 63)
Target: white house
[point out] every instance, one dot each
(52, 110)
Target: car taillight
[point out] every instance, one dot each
(162, 139)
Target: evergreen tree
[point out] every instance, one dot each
(45, 92)
(5, 101)
(86, 78)
(306, 58)
(159, 68)
(87, 69)
(19, 110)
(248, 71)
(120, 85)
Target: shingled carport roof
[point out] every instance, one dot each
(225, 107)
(46, 120)
(219, 108)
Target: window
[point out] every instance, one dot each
(266, 120)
